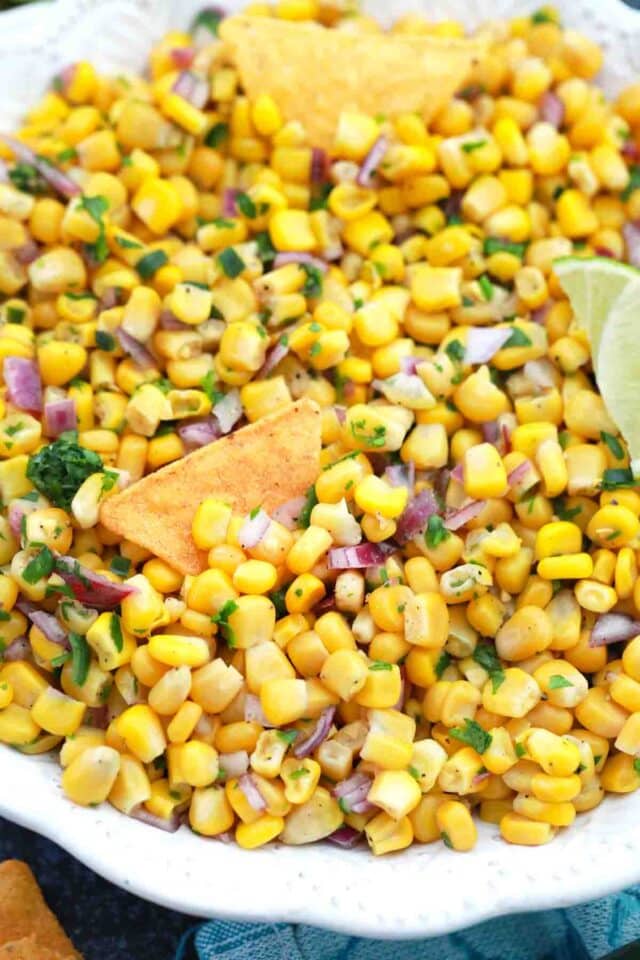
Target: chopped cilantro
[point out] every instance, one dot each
(210, 19)
(617, 478)
(15, 315)
(541, 16)
(636, 765)
(486, 657)
(380, 665)
(634, 183)
(222, 223)
(109, 480)
(120, 566)
(222, 619)
(311, 499)
(486, 287)
(613, 443)
(320, 199)
(277, 598)
(246, 206)
(208, 385)
(126, 244)
(41, 566)
(455, 351)
(300, 772)
(150, 263)
(443, 662)
(446, 839)
(472, 145)
(518, 338)
(563, 512)
(231, 263)
(287, 736)
(60, 660)
(414, 772)
(96, 207)
(60, 468)
(116, 632)
(496, 245)
(520, 750)
(313, 284)
(436, 532)
(218, 134)
(375, 439)
(473, 735)
(105, 341)
(28, 179)
(315, 349)
(5, 615)
(557, 682)
(81, 658)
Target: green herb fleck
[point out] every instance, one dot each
(287, 736)
(218, 134)
(446, 839)
(246, 206)
(231, 263)
(313, 284)
(96, 207)
(618, 478)
(436, 532)
(496, 245)
(486, 287)
(222, 619)
(472, 145)
(613, 443)
(473, 735)
(443, 662)
(81, 658)
(455, 351)
(380, 665)
(148, 265)
(520, 750)
(40, 566)
(518, 338)
(105, 341)
(300, 772)
(116, 632)
(375, 439)
(120, 566)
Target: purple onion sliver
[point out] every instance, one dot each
(169, 826)
(361, 806)
(539, 315)
(319, 165)
(344, 787)
(484, 342)
(20, 649)
(345, 837)
(362, 555)
(551, 109)
(371, 162)
(397, 475)
(252, 794)
(136, 350)
(253, 712)
(60, 416)
(168, 321)
(110, 298)
(228, 410)
(253, 529)
(416, 514)
(409, 365)
(287, 513)
(24, 386)
(341, 413)
(457, 518)
(49, 626)
(234, 764)
(490, 431)
(613, 628)
(320, 733)
(54, 177)
(27, 253)
(453, 205)
(631, 234)
(457, 473)
(198, 433)
(98, 717)
(282, 259)
(518, 473)
(229, 198)
(91, 588)
(192, 87)
(273, 358)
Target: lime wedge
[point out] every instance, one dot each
(619, 368)
(593, 285)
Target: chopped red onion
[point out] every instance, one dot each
(341, 413)
(484, 342)
(169, 825)
(630, 151)
(46, 624)
(490, 431)
(60, 416)
(198, 433)
(319, 165)
(613, 628)
(287, 514)
(551, 109)
(54, 177)
(136, 350)
(234, 764)
(353, 792)
(273, 358)
(416, 514)
(539, 315)
(354, 782)
(18, 509)
(229, 197)
(362, 555)
(457, 518)
(182, 56)
(24, 386)
(409, 365)
(399, 704)
(65, 78)
(110, 298)
(253, 529)
(253, 712)
(20, 649)
(228, 410)
(91, 588)
(253, 796)
(401, 474)
(505, 434)
(27, 253)
(458, 472)
(320, 733)
(282, 259)
(631, 234)
(192, 87)
(327, 603)
(480, 778)
(371, 162)
(4, 172)
(168, 321)
(345, 837)
(518, 473)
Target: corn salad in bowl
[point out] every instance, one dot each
(446, 626)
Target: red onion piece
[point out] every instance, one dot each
(399, 704)
(631, 234)
(551, 109)
(24, 386)
(192, 87)
(353, 792)
(198, 433)
(484, 342)
(341, 413)
(91, 588)
(356, 780)
(65, 77)
(287, 514)
(417, 512)
(253, 529)
(228, 410)
(327, 603)
(60, 416)
(4, 172)
(490, 431)
(320, 733)
(273, 358)
(480, 778)
(345, 837)
(20, 649)
(136, 350)
(253, 712)
(234, 764)
(169, 826)
(362, 555)
(319, 165)
(453, 205)
(169, 321)
(401, 474)
(282, 259)
(613, 628)
(457, 518)
(27, 253)
(110, 298)
(60, 182)
(518, 473)
(630, 151)
(604, 252)
(229, 197)
(458, 472)
(370, 163)
(182, 56)
(505, 436)
(539, 315)
(18, 509)
(46, 624)
(408, 365)
(252, 794)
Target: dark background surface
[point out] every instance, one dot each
(104, 922)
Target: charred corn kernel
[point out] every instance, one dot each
(456, 826)
(142, 732)
(90, 777)
(524, 831)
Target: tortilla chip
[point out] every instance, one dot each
(27, 949)
(24, 914)
(268, 462)
(314, 73)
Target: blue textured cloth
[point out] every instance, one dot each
(586, 932)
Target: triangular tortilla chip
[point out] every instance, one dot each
(267, 463)
(24, 914)
(313, 73)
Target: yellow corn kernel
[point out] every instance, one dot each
(523, 831)
(184, 722)
(436, 288)
(58, 713)
(142, 731)
(484, 472)
(210, 812)
(456, 826)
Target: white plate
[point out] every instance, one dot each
(423, 891)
